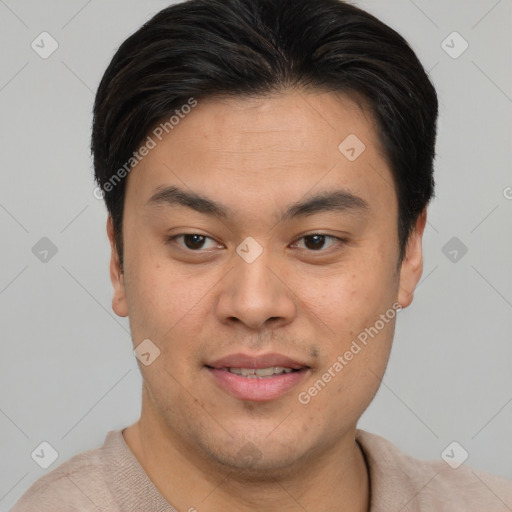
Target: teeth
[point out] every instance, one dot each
(252, 373)
(265, 372)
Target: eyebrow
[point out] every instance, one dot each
(337, 200)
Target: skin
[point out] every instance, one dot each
(257, 156)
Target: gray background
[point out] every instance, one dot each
(68, 374)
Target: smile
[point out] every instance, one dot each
(259, 373)
(257, 378)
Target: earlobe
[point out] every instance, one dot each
(119, 303)
(412, 264)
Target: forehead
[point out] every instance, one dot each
(307, 122)
(247, 148)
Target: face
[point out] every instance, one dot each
(258, 292)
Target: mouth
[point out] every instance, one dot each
(259, 373)
(257, 378)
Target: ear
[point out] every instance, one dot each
(119, 303)
(412, 264)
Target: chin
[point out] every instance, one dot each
(259, 460)
(252, 465)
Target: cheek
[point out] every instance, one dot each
(152, 296)
(168, 307)
(345, 385)
(348, 301)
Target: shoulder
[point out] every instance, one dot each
(405, 481)
(77, 484)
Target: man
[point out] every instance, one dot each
(266, 165)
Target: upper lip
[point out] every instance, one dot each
(256, 362)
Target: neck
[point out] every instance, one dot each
(336, 481)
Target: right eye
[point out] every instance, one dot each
(191, 241)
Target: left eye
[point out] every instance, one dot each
(316, 241)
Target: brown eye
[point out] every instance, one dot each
(192, 241)
(316, 242)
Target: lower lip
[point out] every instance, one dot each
(257, 390)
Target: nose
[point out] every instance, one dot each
(256, 293)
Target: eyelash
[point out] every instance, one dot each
(338, 241)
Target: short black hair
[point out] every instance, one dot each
(199, 49)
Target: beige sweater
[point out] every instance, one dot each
(110, 479)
